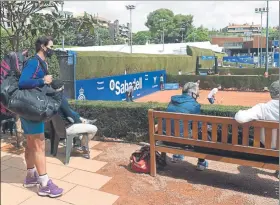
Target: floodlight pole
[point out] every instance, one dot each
(130, 8)
(162, 21)
(261, 11)
(62, 3)
(266, 56)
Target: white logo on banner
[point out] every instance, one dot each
(155, 79)
(100, 85)
(121, 88)
(81, 94)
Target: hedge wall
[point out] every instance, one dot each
(244, 71)
(129, 121)
(100, 64)
(194, 52)
(242, 83)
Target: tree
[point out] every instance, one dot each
(17, 13)
(76, 31)
(182, 26)
(103, 37)
(141, 37)
(198, 35)
(155, 18)
(273, 33)
(159, 20)
(173, 26)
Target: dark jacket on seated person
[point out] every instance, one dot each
(181, 104)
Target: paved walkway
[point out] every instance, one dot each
(79, 180)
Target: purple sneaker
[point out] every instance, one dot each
(50, 190)
(31, 181)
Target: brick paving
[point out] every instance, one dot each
(79, 179)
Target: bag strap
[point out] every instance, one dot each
(45, 69)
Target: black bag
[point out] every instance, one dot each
(38, 104)
(13, 61)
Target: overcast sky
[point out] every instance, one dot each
(211, 14)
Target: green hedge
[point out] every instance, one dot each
(242, 83)
(244, 71)
(194, 52)
(129, 121)
(100, 64)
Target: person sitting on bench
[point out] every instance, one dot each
(263, 111)
(187, 104)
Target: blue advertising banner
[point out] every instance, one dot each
(113, 88)
(207, 58)
(171, 86)
(239, 59)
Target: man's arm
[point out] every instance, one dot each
(254, 113)
(26, 80)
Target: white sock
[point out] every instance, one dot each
(43, 180)
(31, 172)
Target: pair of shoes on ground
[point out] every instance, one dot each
(201, 165)
(50, 190)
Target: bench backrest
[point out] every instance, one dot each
(225, 123)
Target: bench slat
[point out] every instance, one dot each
(177, 128)
(214, 132)
(218, 158)
(257, 136)
(160, 125)
(234, 134)
(213, 119)
(194, 130)
(224, 133)
(228, 147)
(186, 129)
(168, 127)
(268, 138)
(245, 135)
(204, 131)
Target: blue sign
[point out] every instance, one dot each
(71, 57)
(171, 86)
(275, 43)
(239, 59)
(207, 58)
(114, 88)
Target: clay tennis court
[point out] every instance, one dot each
(223, 97)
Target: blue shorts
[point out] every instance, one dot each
(31, 128)
(211, 100)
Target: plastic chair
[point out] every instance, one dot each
(55, 128)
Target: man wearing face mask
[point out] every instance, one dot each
(35, 74)
(187, 104)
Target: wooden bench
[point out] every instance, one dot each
(267, 157)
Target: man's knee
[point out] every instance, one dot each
(36, 143)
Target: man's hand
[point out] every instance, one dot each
(48, 79)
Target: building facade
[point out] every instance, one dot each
(118, 30)
(242, 45)
(243, 29)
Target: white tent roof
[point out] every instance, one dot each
(173, 48)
